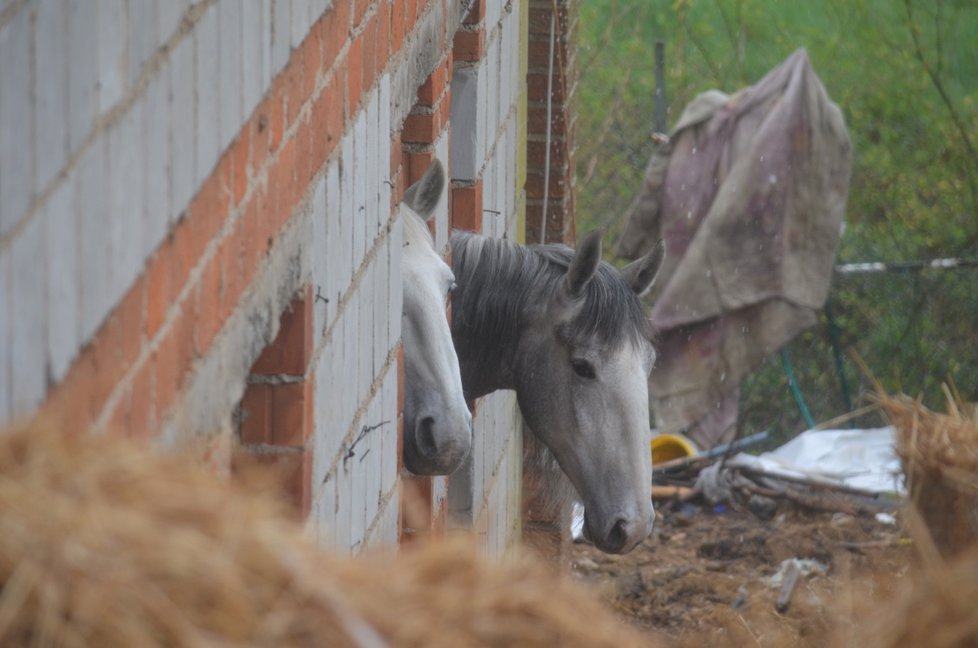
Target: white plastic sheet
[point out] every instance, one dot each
(863, 459)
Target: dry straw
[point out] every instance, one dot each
(939, 453)
(105, 543)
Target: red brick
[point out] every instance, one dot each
(467, 207)
(261, 135)
(240, 154)
(276, 117)
(291, 350)
(534, 185)
(416, 498)
(369, 38)
(231, 257)
(398, 23)
(421, 128)
(141, 406)
(536, 87)
(256, 415)
(354, 66)
(476, 14)
(287, 424)
(469, 45)
(418, 163)
(434, 86)
(158, 296)
(130, 317)
(167, 377)
(336, 31)
(359, 11)
(382, 48)
(209, 304)
(183, 329)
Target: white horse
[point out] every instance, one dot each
(437, 422)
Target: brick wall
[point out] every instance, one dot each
(488, 176)
(199, 242)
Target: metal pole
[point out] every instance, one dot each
(660, 87)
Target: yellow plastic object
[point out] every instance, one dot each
(667, 447)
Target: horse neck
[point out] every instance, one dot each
(488, 310)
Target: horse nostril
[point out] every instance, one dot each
(425, 436)
(618, 535)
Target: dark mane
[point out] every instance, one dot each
(498, 280)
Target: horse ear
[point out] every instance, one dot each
(423, 196)
(585, 263)
(641, 274)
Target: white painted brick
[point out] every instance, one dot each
(388, 467)
(365, 342)
(6, 324)
(318, 246)
(143, 36)
(359, 188)
(358, 517)
(441, 211)
(206, 53)
(16, 152)
(112, 52)
(384, 140)
(491, 94)
(347, 260)
(280, 35)
(395, 298)
(350, 367)
(299, 21)
(468, 123)
(391, 517)
(266, 43)
(28, 334)
(169, 15)
(252, 56)
(369, 459)
(82, 71)
(61, 241)
(181, 125)
(156, 165)
(381, 307)
(326, 513)
(494, 10)
(50, 90)
(344, 509)
(230, 79)
(319, 7)
(125, 201)
(375, 175)
(334, 240)
(330, 428)
(94, 275)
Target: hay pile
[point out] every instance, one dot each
(939, 453)
(934, 608)
(104, 543)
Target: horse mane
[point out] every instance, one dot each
(499, 279)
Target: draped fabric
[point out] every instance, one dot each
(749, 195)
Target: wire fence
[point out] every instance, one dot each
(912, 324)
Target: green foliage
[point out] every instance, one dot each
(905, 73)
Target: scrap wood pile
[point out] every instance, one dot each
(105, 543)
(751, 487)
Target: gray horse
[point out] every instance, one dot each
(437, 422)
(567, 332)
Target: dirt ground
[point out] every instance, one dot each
(701, 578)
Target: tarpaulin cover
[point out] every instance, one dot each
(749, 195)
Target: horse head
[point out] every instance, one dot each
(581, 375)
(437, 423)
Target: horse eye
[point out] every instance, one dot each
(583, 368)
